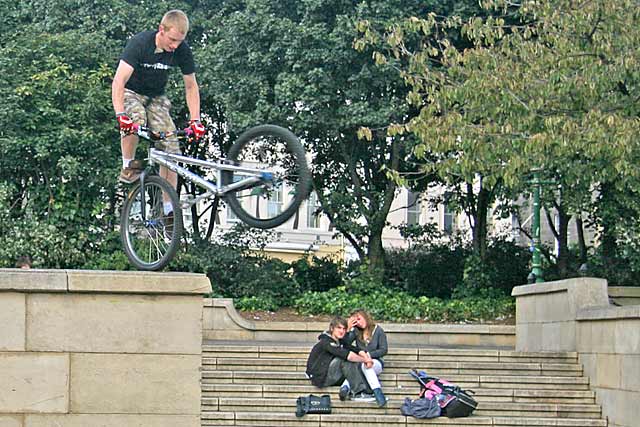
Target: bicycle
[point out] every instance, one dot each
(261, 164)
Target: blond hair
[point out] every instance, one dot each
(175, 19)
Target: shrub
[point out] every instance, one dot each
(236, 271)
(432, 271)
(319, 274)
(390, 305)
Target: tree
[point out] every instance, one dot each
(59, 151)
(542, 84)
(293, 63)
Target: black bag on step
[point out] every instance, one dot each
(313, 404)
(457, 402)
(453, 401)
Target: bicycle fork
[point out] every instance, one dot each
(143, 195)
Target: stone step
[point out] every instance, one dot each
(277, 419)
(408, 354)
(482, 394)
(399, 380)
(439, 369)
(256, 384)
(485, 408)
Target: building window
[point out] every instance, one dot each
(449, 220)
(231, 216)
(413, 208)
(274, 202)
(313, 211)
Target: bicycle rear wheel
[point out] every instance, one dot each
(150, 242)
(285, 183)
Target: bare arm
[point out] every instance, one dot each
(192, 93)
(123, 73)
(353, 357)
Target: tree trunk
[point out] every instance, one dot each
(607, 235)
(376, 254)
(563, 246)
(480, 223)
(582, 244)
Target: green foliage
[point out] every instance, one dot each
(551, 84)
(293, 64)
(433, 270)
(237, 270)
(476, 276)
(317, 274)
(109, 255)
(254, 303)
(390, 305)
(446, 270)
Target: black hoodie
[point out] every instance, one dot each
(325, 350)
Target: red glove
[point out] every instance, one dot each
(197, 128)
(125, 123)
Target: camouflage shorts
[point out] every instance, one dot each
(154, 113)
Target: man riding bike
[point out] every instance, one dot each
(138, 91)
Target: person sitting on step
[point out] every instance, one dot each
(365, 334)
(332, 362)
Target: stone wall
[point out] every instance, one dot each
(89, 348)
(575, 315)
(222, 322)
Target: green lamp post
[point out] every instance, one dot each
(536, 262)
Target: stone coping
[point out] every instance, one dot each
(624, 291)
(610, 313)
(418, 328)
(556, 286)
(103, 281)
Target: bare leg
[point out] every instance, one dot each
(170, 176)
(128, 146)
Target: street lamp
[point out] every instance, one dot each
(536, 261)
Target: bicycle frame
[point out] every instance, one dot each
(171, 162)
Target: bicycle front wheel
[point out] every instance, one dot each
(285, 183)
(151, 241)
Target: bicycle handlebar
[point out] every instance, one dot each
(147, 133)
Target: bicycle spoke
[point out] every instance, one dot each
(150, 242)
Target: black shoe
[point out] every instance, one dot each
(343, 393)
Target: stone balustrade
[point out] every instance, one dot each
(100, 348)
(576, 315)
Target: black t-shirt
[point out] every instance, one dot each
(150, 69)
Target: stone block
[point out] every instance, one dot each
(137, 282)
(627, 336)
(13, 321)
(11, 421)
(559, 336)
(589, 363)
(33, 280)
(529, 337)
(34, 382)
(114, 323)
(619, 406)
(135, 384)
(607, 371)
(630, 372)
(554, 307)
(603, 337)
(107, 420)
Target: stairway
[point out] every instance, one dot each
(257, 383)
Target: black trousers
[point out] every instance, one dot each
(340, 369)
